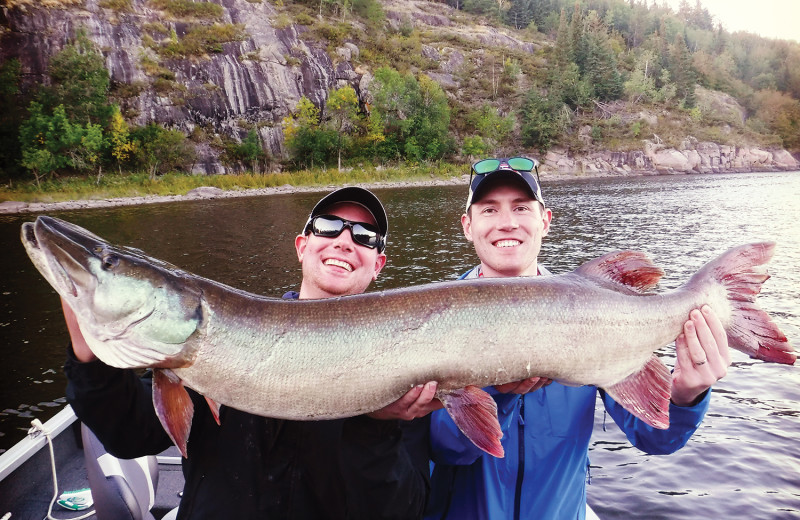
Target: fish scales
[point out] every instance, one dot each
(372, 358)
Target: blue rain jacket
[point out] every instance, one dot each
(546, 438)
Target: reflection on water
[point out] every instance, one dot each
(741, 463)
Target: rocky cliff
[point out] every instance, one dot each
(250, 83)
(256, 80)
(654, 158)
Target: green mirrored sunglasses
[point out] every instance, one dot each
(520, 164)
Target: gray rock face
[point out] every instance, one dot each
(693, 157)
(251, 83)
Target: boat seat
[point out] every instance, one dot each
(122, 489)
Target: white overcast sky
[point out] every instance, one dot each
(768, 18)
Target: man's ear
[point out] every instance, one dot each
(300, 243)
(466, 224)
(547, 217)
(379, 263)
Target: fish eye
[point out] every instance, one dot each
(110, 261)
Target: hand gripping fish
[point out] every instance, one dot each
(340, 357)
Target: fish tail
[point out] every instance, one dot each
(741, 271)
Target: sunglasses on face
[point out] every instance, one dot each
(330, 226)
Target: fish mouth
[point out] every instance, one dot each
(62, 252)
(339, 263)
(507, 242)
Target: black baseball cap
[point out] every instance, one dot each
(356, 195)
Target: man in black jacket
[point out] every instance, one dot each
(370, 466)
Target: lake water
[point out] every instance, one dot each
(744, 461)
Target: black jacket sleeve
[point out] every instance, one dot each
(117, 405)
(385, 465)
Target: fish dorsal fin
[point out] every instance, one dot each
(646, 393)
(631, 269)
(173, 406)
(475, 413)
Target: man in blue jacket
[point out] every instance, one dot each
(547, 426)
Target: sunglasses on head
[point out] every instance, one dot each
(518, 164)
(330, 226)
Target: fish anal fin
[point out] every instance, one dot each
(646, 393)
(475, 413)
(214, 407)
(173, 406)
(631, 269)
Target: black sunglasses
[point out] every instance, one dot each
(330, 226)
(518, 164)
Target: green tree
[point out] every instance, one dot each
(491, 128)
(251, 150)
(475, 146)
(539, 118)
(411, 108)
(562, 50)
(342, 111)
(122, 148)
(159, 150)
(641, 85)
(680, 68)
(599, 59)
(520, 13)
(80, 82)
(52, 142)
(307, 142)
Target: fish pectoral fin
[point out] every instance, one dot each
(214, 406)
(630, 269)
(475, 413)
(173, 406)
(646, 393)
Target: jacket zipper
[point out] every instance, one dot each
(521, 457)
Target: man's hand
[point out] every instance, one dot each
(79, 346)
(525, 386)
(703, 357)
(418, 402)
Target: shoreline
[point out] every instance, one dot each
(210, 193)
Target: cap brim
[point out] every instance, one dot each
(482, 183)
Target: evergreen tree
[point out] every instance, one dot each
(576, 36)
(562, 51)
(680, 68)
(600, 60)
(520, 13)
(539, 120)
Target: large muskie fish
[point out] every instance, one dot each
(339, 357)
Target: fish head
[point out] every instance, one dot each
(134, 311)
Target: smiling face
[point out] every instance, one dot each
(338, 266)
(506, 226)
